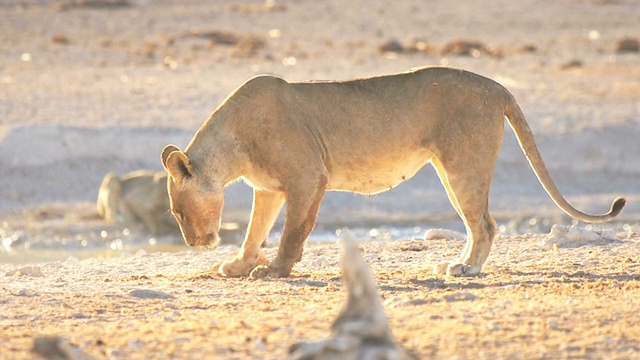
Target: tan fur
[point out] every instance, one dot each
(137, 197)
(294, 141)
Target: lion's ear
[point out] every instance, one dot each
(166, 152)
(176, 163)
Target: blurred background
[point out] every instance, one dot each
(89, 87)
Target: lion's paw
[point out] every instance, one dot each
(453, 268)
(238, 267)
(261, 272)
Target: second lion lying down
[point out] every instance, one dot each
(293, 141)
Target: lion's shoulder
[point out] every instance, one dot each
(264, 83)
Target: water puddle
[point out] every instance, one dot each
(54, 235)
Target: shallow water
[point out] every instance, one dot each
(19, 247)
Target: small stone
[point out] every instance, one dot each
(114, 354)
(628, 45)
(608, 234)
(53, 347)
(462, 296)
(72, 261)
(140, 252)
(261, 346)
(149, 294)
(391, 46)
(33, 271)
(528, 48)
(446, 234)
(79, 315)
(25, 292)
(135, 344)
(414, 302)
(320, 262)
(572, 64)
(60, 39)
(461, 47)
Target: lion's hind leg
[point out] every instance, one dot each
(468, 191)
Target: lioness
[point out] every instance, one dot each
(294, 141)
(137, 197)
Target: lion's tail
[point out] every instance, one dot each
(527, 143)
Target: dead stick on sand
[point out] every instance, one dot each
(361, 330)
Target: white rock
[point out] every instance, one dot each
(577, 234)
(608, 234)
(320, 262)
(461, 296)
(55, 347)
(33, 271)
(169, 305)
(149, 294)
(562, 235)
(432, 234)
(261, 346)
(72, 261)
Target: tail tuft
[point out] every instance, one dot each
(617, 205)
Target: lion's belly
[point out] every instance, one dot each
(375, 175)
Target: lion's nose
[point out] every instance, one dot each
(212, 239)
(206, 240)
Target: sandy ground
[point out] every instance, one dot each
(92, 86)
(97, 89)
(534, 302)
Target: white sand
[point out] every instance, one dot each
(121, 89)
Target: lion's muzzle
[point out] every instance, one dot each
(211, 239)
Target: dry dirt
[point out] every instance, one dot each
(534, 301)
(92, 86)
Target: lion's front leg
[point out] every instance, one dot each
(241, 265)
(302, 210)
(265, 210)
(456, 268)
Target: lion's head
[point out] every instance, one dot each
(195, 202)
